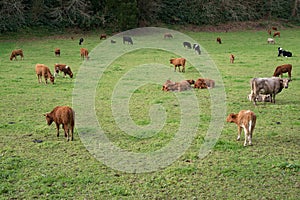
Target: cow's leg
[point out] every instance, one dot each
(66, 129)
(239, 133)
(246, 136)
(72, 131)
(273, 96)
(57, 129)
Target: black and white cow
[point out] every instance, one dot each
(284, 53)
(196, 47)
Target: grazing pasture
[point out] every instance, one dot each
(56, 169)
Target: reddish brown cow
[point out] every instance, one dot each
(219, 40)
(63, 68)
(15, 53)
(204, 83)
(231, 58)
(84, 53)
(62, 115)
(286, 68)
(245, 119)
(276, 34)
(177, 62)
(57, 52)
(103, 36)
(274, 28)
(43, 71)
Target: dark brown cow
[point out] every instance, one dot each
(63, 68)
(62, 115)
(15, 53)
(286, 68)
(176, 86)
(103, 36)
(43, 71)
(204, 83)
(177, 62)
(84, 53)
(245, 119)
(219, 40)
(57, 52)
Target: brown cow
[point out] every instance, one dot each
(168, 35)
(177, 62)
(276, 34)
(57, 51)
(62, 115)
(204, 83)
(245, 119)
(176, 86)
(286, 68)
(231, 58)
(15, 53)
(84, 53)
(63, 68)
(219, 40)
(43, 71)
(274, 28)
(103, 36)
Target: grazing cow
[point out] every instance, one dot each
(269, 32)
(196, 47)
(286, 68)
(81, 41)
(187, 45)
(127, 39)
(103, 36)
(204, 83)
(284, 53)
(231, 58)
(15, 53)
(168, 35)
(245, 119)
(176, 86)
(177, 62)
(276, 34)
(57, 52)
(63, 68)
(112, 41)
(84, 53)
(274, 28)
(219, 40)
(43, 71)
(271, 86)
(62, 115)
(270, 41)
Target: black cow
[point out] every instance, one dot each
(187, 45)
(127, 39)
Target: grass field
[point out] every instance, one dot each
(56, 169)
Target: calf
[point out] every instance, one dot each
(245, 119)
(128, 40)
(63, 68)
(219, 40)
(177, 62)
(187, 45)
(276, 34)
(103, 36)
(43, 71)
(284, 53)
(231, 57)
(168, 35)
(57, 52)
(286, 68)
(270, 41)
(15, 53)
(204, 83)
(84, 53)
(62, 115)
(176, 86)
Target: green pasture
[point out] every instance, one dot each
(57, 169)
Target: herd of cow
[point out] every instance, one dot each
(262, 89)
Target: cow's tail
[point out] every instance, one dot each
(250, 125)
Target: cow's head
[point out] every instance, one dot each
(49, 119)
(285, 82)
(231, 117)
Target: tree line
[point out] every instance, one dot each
(119, 15)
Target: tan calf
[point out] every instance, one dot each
(43, 71)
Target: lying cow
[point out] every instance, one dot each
(271, 86)
(43, 71)
(176, 86)
(15, 53)
(286, 68)
(270, 41)
(62, 115)
(284, 53)
(204, 83)
(245, 119)
(63, 68)
(177, 62)
(84, 53)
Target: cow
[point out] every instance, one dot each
(284, 53)
(177, 62)
(277, 33)
(63, 68)
(15, 53)
(271, 86)
(57, 52)
(286, 68)
(168, 35)
(103, 36)
(84, 53)
(81, 41)
(113, 41)
(176, 86)
(219, 40)
(274, 28)
(43, 71)
(270, 41)
(269, 32)
(204, 83)
(187, 45)
(245, 119)
(231, 57)
(191, 81)
(62, 115)
(127, 39)
(196, 47)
